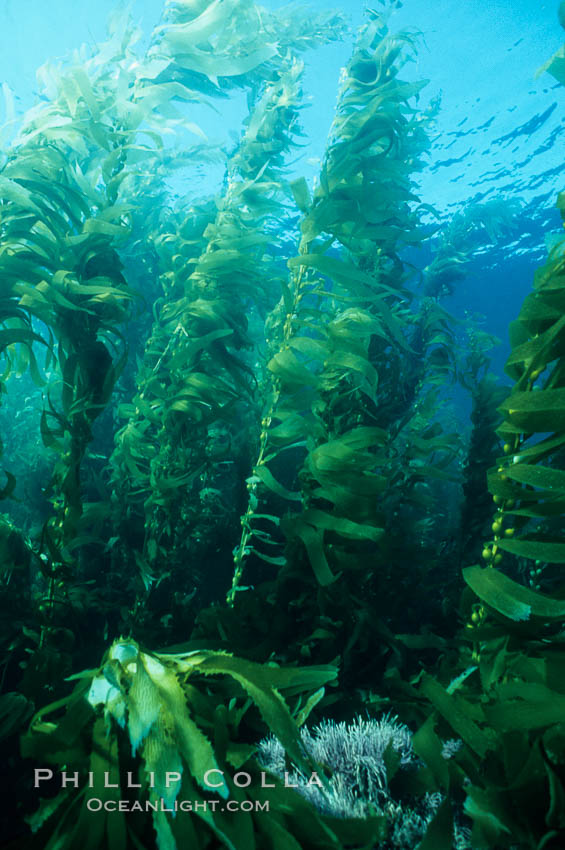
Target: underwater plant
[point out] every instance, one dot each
(261, 470)
(332, 308)
(506, 701)
(196, 383)
(191, 759)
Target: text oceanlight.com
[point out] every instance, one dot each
(95, 804)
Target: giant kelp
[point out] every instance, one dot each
(342, 327)
(335, 416)
(506, 703)
(196, 382)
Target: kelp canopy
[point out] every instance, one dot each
(240, 406)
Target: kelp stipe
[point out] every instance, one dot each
(507, 702)
(356, 366)
(197, 382)
(361, 362)
(93, 744)
(319, 336)
(61, 262)
(87, 142)
(484, 445)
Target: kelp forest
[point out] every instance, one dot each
(260, 590)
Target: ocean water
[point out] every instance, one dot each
(255, 442)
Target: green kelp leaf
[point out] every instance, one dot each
(85, 88)
(95, 286)
(288, 300)
(352, 327)
(309, 706)
(293, 428)
(362, 437)
(291, 680)
(338, 462)
(347, 496)
(157, 705)
(301, 194)
(457, 712)
(200, 26)
(539, 509)
(47, 807)
(98, 225)
(345, 361)
(101, 133)
(34, 372)
(206, 389)
(439, 834)
(345, 273)
(10, 486)
(555, 816)
(152, 96)
(555, 66)
(428, 747)
(537, 476)
(66, 737)
(279, 561)
(537, 351)
(341, 525)
(21, 271)
(269, 480)
(313, 539)
(185, 353)
(12, 191)
(91, 826)
(268, 700)
(172, 482)
(56, 297)
(278, 837)
(511, 715)
(541, 307)
(290, 371)
(164, 833)
(9, 336)
(510, 598)
(15, 709)
(537, 550)
(231, 833)
(482, 808)
(368, 831)
(313, 348)
(49, 435)
(502, 486)
(238, 754)
(497, 590)
(214, 65)
(532, 454)
(543, 410)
